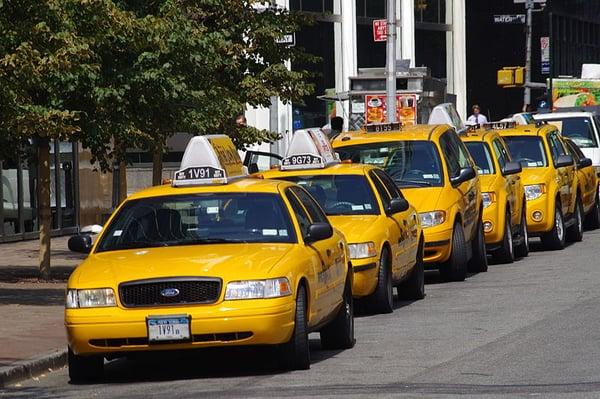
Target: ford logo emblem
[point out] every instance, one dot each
(169, 292)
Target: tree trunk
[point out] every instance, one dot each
(122, 181)
(44, 211)
(157, 166)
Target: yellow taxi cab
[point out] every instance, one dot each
(554, 204)
(504, 203)
(435, 172)
(214, 259)
(587, 179)
(383, 232)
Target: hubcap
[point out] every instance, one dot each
(579, 220)
(510, 241)
(558, 224)
(525, 233)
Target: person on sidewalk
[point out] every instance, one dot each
(477, 117)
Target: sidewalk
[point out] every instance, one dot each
(33, 331)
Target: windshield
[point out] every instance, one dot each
(480, 153)
(528, 151)
(579, 130)
(409, 163)
(199, 219)
(340, 194)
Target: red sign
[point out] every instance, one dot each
(406, 108)
(380, 30)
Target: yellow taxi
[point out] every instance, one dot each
(435, 172)
(587, 179)
(383, 232)
(215, 259)
(504, 203)
(554, 204)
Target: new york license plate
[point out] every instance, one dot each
(168, 329)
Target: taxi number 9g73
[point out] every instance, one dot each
(302, 160)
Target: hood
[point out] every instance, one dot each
(487, 182)
(424, 199)
(227, 261)
(354, 227)
(536, 175)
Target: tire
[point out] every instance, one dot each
(555, 238)
(339, 333)
(593, 218)
(85, 368)
(522, 250)
(382, 300)
(478, 262)
(506, 253)
(295, 354)
(575, 232)
(414, 287)
(455, 269)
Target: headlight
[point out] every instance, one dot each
(255, 289)
(488, 198)
(95, 298)
(534, 191)
(430, 219)
(362, 250)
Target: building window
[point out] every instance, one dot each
(318, 6)
(432, 11)
(370, 8)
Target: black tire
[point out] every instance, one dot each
(455, 269)
(593, 218)
(382, 300)
(478, 262)
(295, 354)
(414, 287)
(575, 232)
(85, 368)
(506, 252)
(339, 333)
(555, 238)
(522, 250)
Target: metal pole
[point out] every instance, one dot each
(550, 83)
(527, 92)
(390, 69)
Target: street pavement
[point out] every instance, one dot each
(527, 329)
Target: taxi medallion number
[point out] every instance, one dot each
(168, 329)
(383, 127)
(305, 159)
(200, 172)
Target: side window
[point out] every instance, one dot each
(450, 153)
(388, 183)
(463, 154)
(501, 153)
(556, 148)
(314, 210)
(385, 197)
(299, 212)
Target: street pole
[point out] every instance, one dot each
(390, 69)
(529, 4)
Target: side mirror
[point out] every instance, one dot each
(396, 205)
(564, 160)
(81, 243)
(318, 232)
(584, 163)
(512, 168)
(464, 175)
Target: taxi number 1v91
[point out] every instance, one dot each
(205, 172)
(168, 329)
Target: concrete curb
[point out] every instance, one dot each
(29, 368)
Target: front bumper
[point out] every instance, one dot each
(228, 323)
(493, 215)
(544, 205)
(438, 243)
(366, 273)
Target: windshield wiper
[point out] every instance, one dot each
(413, 182)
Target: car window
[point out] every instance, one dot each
(383, 193)
(299, 212)
(314, 211)
(579, 129)
(198, 219)
(527, 150)
(451, 154)
(480, 153)
(574, 150)
(556, 147)
(339, 194)
(501, 153)
(389, 184)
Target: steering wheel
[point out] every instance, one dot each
(340, 204)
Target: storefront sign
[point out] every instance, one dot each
(380, 30)
(406, 109)
(575, 93)
(545, 49)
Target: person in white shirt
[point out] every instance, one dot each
(477, 117)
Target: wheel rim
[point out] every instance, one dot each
(525, 234)
(579, 220)
(509, 236)
(558, 224)
(390, 290)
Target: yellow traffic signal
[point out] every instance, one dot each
(511, 77)
(520, 76)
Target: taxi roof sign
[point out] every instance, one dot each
(500, 125)
(211, 159)
(309, 149)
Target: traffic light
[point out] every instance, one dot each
(511, 77)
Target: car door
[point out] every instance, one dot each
(331, 251)
(457, 158)
(511, 182)
(408, 223)
(565, 174)
(586, 175)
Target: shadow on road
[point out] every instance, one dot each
(15, 274)
(34, 296)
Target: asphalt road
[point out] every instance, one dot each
(527, 329)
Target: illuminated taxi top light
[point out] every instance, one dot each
(309, 149)
(500, 125)
(211, 159)
(383, 127)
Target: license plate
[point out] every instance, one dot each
(168, 328)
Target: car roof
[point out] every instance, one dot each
(556, 115)
(528, 130)
(413, 133)
(336, 169)
(479, 135)
(241, 185)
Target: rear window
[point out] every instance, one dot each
(580, 130)
(528, 151)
